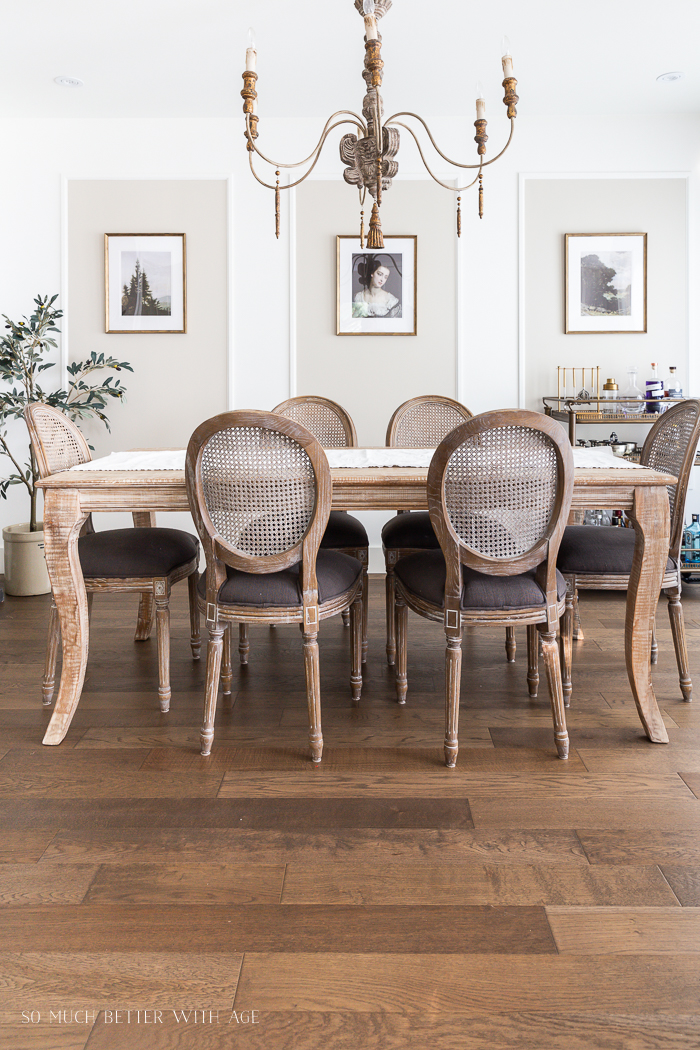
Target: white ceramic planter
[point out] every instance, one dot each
(25, 565)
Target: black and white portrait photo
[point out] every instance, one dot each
(377, 289)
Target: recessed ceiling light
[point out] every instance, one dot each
(668, 77)
(68, 81)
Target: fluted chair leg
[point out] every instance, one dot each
(227, 662)
(401, 622)
(654, 644)
(243, 643)
(550, 653)
(214, 654)
(390, 609)
(578, 629)
(510, 644)
(365, 613)
(357, 632)
(453, 678)
(146, 617)
(313, 693)
(533, 652)
(162, 599)
(566, 636)
(52, 643)
(195, 636)
(675, 615)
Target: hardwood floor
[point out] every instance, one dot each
(379, 902)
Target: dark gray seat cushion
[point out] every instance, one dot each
(410, 530)
(336, 574)
(125, 553)
(344, 531)
(598, 549)
(423, 574)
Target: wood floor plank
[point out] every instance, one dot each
(471, 883)
(19, 1033)
(227, 847)
(628, 735)
(646, 759)
(164, 884)
(27, 885)
(106, 980)
(20, 846)
(641, 846)
(693, 781)
(306, 1030)
(57, 761)
(117, 784)
(463, 984)
(625, 931)
(278, 928)
(684, 880)
(565, 813)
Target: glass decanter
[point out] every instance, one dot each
(633, 403)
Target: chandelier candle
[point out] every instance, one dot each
(368, 151)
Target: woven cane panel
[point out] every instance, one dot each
(325, 425)
(425, 426)
(500, 488)
(259, 488)
(669, 445)
(58, 441)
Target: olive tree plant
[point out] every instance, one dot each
(23, 352)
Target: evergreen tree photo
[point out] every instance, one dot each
(138, 299)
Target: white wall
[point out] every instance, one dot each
(30, 223)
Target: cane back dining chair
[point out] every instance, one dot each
(144, 560)
(421, 422)
(499, 493)
(259, 489)
(601, 557)
(332, 427)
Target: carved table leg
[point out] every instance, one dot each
(63, 519)
(651, 524)
(145, 519)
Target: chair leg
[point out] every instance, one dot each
(313, 693)
(453, 677)
(365, 613)
(578, 629)
(146, 616)
(162, 599)
(357, 633)
(533, 653)
(243, 643)
(401, 628)
(510, 645)
(227, 662)
(566, 637)
(195, 636)
(654, 644)
(52, 642)
(346, 617)
(550, 652)
(675, 615)
(214, 654)
(390, 560)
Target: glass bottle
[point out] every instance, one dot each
(634, 398)
(654, 390)
(610, 393)
(692, 535)
(674, 384)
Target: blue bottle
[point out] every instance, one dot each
(691, 541)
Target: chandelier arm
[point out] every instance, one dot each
(356, 122)
(444, 156)
(454, 189)
(291, 185)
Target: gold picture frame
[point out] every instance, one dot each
(364, 306)
(605, 283)
(145, 283)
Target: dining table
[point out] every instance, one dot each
(70, 496)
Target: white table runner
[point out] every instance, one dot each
(174, 459)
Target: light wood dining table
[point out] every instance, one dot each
(70, 496)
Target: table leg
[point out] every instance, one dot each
(145, 519)
(63, 519)
(651, 521)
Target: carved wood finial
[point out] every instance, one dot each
(380, 7)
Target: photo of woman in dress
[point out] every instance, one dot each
(376, 285)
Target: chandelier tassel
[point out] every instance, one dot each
(277, 206)
(459, 216)
(374, 237)
(481, 196)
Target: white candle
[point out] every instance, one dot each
(507, 58)
(371, 27)
(480, 102)
(251, 54)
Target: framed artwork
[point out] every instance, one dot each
(606, 283)
(145, 282)
(376, 290)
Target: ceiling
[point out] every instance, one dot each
(183, 58)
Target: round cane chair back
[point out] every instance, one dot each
(423, 422)
(500, 485)
(57, 441)
(328, 422)
(670, 448)
(257, 483)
